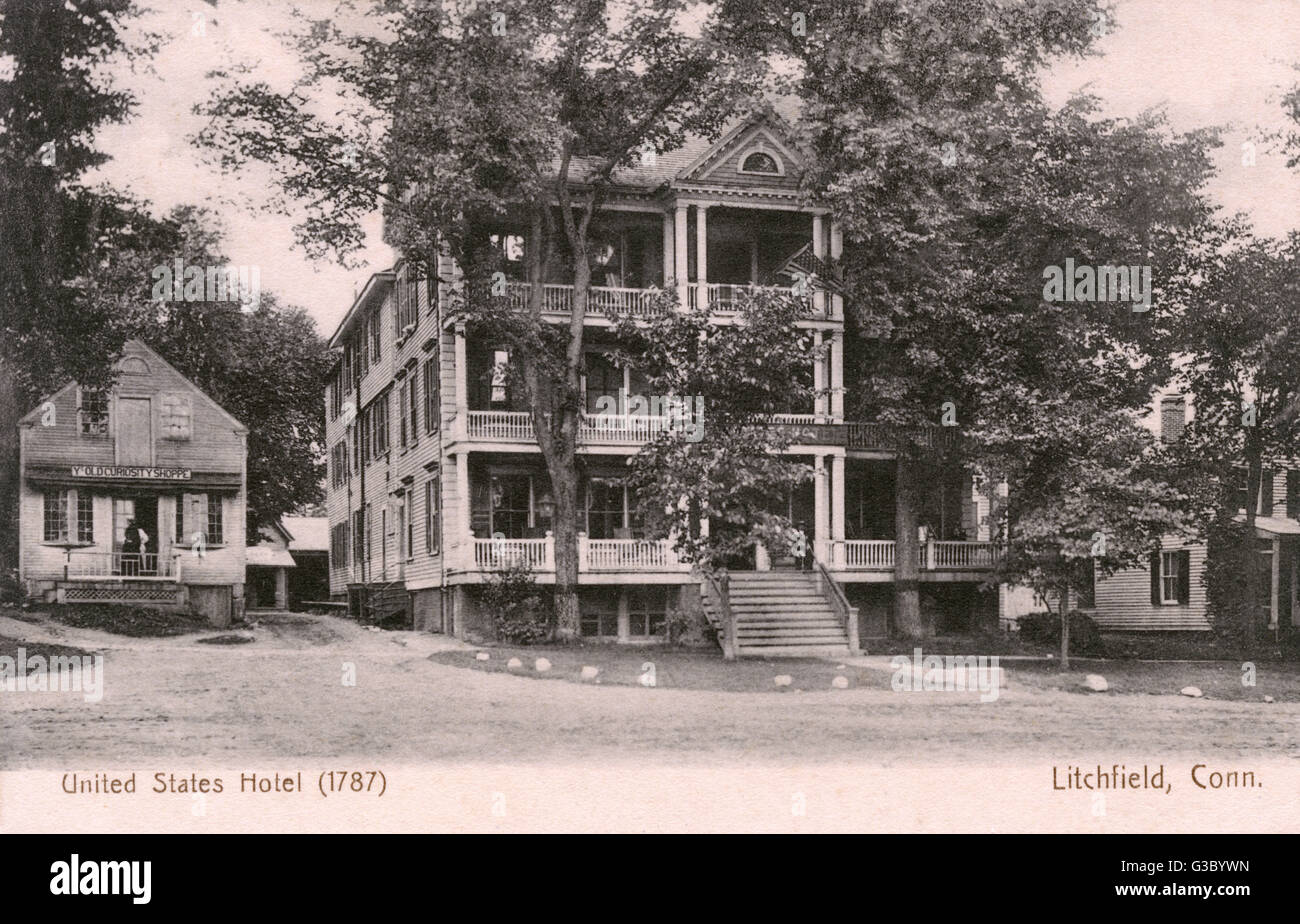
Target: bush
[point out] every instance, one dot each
(521, 611)
(1045, 628)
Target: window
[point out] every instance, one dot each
(606, 503)
(339, 472)
(408, 301)
(1266, 493)
(599, 617)
(374, 428)
(1170, 577)
(177, 415)
(512, 506)
(370, 539)
(92, 412)
(760, 162)
(85, 517)
(403, 399)
(412, 412)
(647, 611)
(375, 345)
(56, 516)
(604, 380)
(500, 399)
(339, 545)
(431, 412)
(199, 513)
(383, 538)
(358, 537)
(336, 394)
(1293, 493)
(361, 348)
(432, 515)
(408, 531)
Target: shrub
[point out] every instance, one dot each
(1045, 628)
(521, 611)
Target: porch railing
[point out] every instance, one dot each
(601, 300)
(516, 426)
(844, 612)
(879, 555)
(142, 566)
(724, 296)
(594, 555)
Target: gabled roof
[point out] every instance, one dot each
(33, 415)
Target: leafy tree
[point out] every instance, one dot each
(1239, 344)
(722, 460)
(461, 116)
(957, 187)
(55, 233)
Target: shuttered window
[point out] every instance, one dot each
(1171, 577)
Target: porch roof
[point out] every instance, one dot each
(1276, 526)
(266, 556)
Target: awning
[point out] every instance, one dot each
(265, 556)
(1275, 526)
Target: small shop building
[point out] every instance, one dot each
(134, 495)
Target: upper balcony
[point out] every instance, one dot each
(709, 254)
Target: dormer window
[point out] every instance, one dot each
(760, 162)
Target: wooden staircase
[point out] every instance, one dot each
(780, 614)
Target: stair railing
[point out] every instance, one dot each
(721, 588)
(847, 615)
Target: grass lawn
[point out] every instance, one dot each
(992, 643)
(133, 621)
(674, 668)
(1219, 680)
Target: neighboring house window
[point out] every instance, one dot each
(56, 516)
(412, 412)
(339, 463)
(92, 412)
(375, 345)
(361, 347)
(177, 417)
(760, 162)
(1170, 577)
(336, 394)
(431, 395)
(647, 611)
(432, 515)
(85, 517)
(1293, 494)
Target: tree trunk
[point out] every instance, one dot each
(1254, 466)
(564, 526)
(907, 600)
(1063, 604)
(9, 414)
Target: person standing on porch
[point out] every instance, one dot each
(131, 546)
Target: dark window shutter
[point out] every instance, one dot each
(1293, 494)
(1155, 577)
(1266, 493)
(1184, 576)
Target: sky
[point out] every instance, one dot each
(1206, 62)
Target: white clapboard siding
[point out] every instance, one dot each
(1123, 600)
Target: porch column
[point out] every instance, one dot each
(679, 255)
(462, 385)
(1295, 574)
(837, 250)
(820, 504)
(1276, 580)
(281, 589)
(819, 377)
(837, 374)
(669, 247)
(837, 510)
(819, 251)
(702, 244)
(460, 529)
